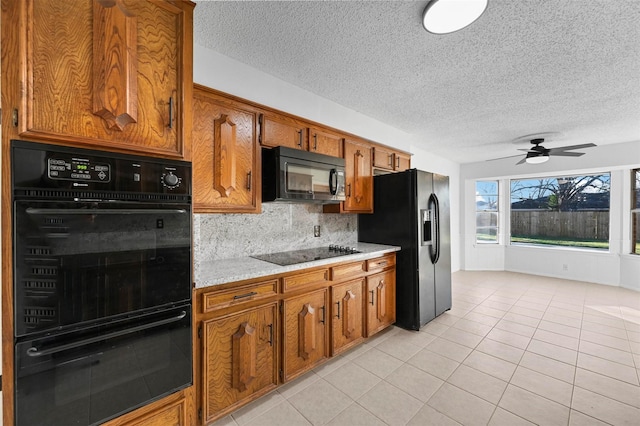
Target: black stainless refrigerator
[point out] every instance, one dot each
(411, 210)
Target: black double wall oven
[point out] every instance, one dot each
(102, 282)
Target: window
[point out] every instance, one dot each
(561, 211)
(487, 211)
(635, 211)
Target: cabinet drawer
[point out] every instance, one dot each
(300, 280)
(238, 295)
(380, 263)
(349, 270)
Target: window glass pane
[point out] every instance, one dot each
(561, 211)
(637, 189)
(486, 227)
(636, 232)
(487, 211)
(487, 196)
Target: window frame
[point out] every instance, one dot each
(495, 211)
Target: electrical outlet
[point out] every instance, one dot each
(316, 231)
(565, 267)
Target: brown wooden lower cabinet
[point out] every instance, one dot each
(174, 410)
(305, 333)
(257, 334)
(380, 301)
(239, 359)
(346, 315)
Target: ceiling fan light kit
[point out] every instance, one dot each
(537, 158)
(448, 16)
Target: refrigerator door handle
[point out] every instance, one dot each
(434, 209)
(436, 220)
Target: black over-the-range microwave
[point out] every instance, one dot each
(292, 175)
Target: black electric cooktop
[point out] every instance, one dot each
(285, 258)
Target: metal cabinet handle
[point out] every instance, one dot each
(242, 296)
(348, 190)
(249, 180)
(390, 160)
(338, 303)
(315, 142)
(171, 112)
(322, 319)
(300, 138)
(398, 162)
(371, 291)
(270, 334)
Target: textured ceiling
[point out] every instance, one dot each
(525, 67)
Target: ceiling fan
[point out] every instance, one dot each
(538, 154)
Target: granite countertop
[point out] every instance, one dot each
(223, 271)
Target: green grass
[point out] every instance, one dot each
(603, 245)
(562, 242)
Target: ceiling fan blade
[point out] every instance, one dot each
(502, 158)
(566, 148)
(566, 154)
(522, 161)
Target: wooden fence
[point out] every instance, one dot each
(588, 225)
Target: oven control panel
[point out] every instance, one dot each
(123, 176)
(78, 169)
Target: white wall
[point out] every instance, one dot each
(615, 267)
(222, 73)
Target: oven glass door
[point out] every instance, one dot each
(307, 180)
(82, 262)
(96, 374)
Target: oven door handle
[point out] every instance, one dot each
(32, 210)
(34, 352)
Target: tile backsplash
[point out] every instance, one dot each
(280, 227)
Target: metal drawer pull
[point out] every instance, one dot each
(270, 334)
(338, 303)
(242, 296)
(371, 291)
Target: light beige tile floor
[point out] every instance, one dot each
(514, 349)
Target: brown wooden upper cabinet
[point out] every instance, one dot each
(358, 179)
(226, 173)
(388, 159)
(283, 130)
(101, 74)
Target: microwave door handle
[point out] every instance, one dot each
(333, 181)
(34, 352)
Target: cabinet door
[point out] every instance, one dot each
(305, 332)
(346, 315)
(402, 162)
(225, 161)
(239, 359)
(381, 301)
(324, 142)
(280, 130)
(382, 158)
(359, 177)
(107, 74)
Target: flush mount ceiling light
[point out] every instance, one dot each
(447, 16)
